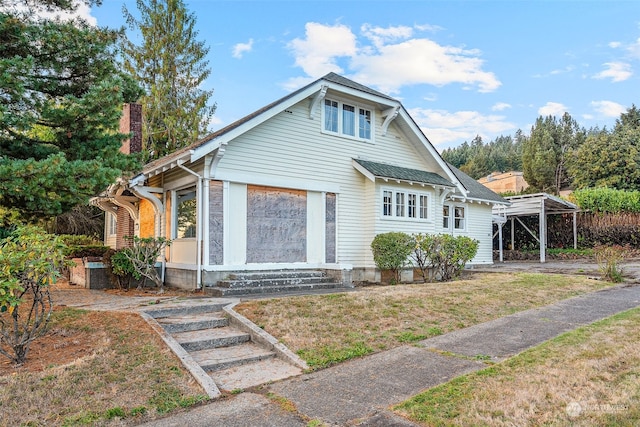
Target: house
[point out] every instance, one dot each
(505, 182)
(303, 183)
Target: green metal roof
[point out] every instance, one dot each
(382, 170)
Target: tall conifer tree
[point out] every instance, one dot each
(61, 96)
(170, 64)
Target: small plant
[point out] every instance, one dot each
(442, 257)
(30, 260)
(119, 269)
(608, 259)
(143, 255)
(391, 251)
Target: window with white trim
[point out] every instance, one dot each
(453, 215)
(348, 120)
(112, 224)
(458, 218)
(405, 204)
(446, 212)
(185, 214)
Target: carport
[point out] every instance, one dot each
(540, 205)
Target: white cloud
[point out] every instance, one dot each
(608, 108)
(431, 97)
(442, 127)
(552, 109)
(614, 45)
(379, 36)
(37, 12)
(500, 106)
(388, 58)
(634, 49)
(240, 48)
(616, 71)
(316, 54)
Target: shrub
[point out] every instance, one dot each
(608, 259)
(119, 269)
(442, 257)
(30, 260)
(143, 255)
(391, 251)
(607, 200)
(81, 246)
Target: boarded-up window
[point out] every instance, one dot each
(276, 225)
(330, 228)
(216, 220)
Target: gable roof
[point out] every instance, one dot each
(386, 171)
(216, 141)
(475, 189)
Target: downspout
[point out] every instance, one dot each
(199, 228)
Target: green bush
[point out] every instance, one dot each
(607, 200)
(30, 260)
(81, 246)
(119, 268)
(442, 257)
(391, 251)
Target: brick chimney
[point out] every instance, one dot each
(131, 122)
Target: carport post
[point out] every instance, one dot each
(542, 222)
(500, 224)
(575, 231)
(513, 234)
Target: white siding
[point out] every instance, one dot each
(291, 147)
(479, 227)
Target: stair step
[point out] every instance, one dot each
(210, 338)
(185, 309)
(274, 281)
(193, 322)
(221, 292)
(226, 357)
(278, 274)
(253, 374)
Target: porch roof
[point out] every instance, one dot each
(390, 172)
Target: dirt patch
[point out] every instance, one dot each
(61, 345)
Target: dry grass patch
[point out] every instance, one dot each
(95, 368)
(328, 329)
(586, 377)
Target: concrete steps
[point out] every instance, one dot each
(272, 282)
(224, 351)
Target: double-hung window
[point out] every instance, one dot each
(185, 214)
(453, 215)
(112, 222)
(405, 205)
(347, 119)
(458, 218)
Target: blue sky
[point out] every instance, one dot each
(461, 68)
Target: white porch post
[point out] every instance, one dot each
(543, 232)
(575, 231)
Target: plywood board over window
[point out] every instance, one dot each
(216, 223)
(276, 225)
(330, 235)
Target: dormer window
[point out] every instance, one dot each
(347, 120)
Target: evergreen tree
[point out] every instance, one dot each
(169, 63)
(61, 97)
(611, 159)
(479, 159)
(548, 150)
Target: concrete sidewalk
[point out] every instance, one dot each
(359, 392)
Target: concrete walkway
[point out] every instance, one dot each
(360, 392)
